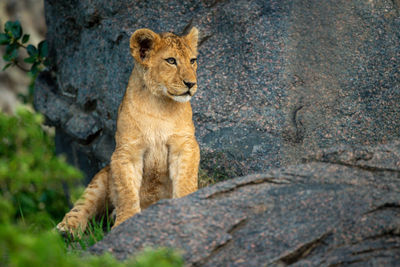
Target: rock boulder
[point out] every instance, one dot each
(341, 207)
(277, 79)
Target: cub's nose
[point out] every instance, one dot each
(189, 84)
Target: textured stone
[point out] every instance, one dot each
(340, 207)
(277, 79)
(82, 127)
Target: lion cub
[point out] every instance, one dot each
(156, 154)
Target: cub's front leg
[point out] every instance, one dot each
(183, 160)
(126, 177)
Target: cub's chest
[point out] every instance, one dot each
(155, 141)
(156, 133)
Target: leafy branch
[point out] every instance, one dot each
(14, 39)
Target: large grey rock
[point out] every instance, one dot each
(341, 207)
(277, 79)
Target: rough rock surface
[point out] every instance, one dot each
(277, 79)
(341, 207)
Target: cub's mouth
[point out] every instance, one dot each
(184, 97)
(187, 93)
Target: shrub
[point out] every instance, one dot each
(31, 200)
(31, 176)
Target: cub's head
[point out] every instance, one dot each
(169, 62)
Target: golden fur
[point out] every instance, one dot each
(156, 154)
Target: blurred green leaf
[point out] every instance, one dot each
(30, 60)
(46, 62)
(25, 38)
(162, 257)
(6, 210)
(32, 51)
(4, 38)
(16, 30)
(35, 68)
(11, 56)
(11, 47)
(8, 26)
(43, 49)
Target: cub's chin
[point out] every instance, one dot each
(178, 98)
(181, 98)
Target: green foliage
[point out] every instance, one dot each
(14, 40)
(31, 202)
(31, 176)
(20, 247)
(162, 257)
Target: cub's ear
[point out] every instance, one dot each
(142, 43)
(192, 38)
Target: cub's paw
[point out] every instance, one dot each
(71, 226)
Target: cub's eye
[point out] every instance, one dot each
(193, 60)
(171, 61)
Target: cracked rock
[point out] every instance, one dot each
(312, 214)
(82, 127)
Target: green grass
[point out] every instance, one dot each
(208, 178)
(205, 179)
(95, 231)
